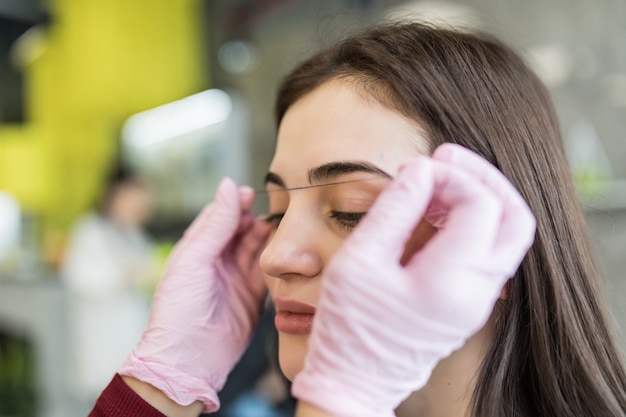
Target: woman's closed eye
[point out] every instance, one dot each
(343, 219)
(346, 220)
(274, 219)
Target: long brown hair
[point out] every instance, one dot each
(553, 353)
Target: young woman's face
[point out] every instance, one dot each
(337, 148)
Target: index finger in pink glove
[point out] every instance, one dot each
(217, 219)
(518, 222)
(412, 188)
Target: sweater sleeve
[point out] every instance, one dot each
(118, 400)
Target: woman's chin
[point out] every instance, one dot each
(291, 352)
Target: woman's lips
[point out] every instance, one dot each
(293, 323)
(293, 317)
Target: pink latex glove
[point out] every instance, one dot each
(381, 327)
(206, 304)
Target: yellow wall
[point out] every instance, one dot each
(99, 62)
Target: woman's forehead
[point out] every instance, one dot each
(334, 122)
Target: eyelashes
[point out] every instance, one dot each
(274, 219)
(345, 220)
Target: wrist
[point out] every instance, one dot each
(160, 401)
(177, 384)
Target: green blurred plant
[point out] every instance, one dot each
(17, 377)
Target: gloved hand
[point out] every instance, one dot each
(381, 326)
(206, 304)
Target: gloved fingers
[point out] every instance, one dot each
(252, 232)
(245, 222)
(251, 244)
(243, 253)
(227, 195)
(517, 234)
(246, 197)
(517, 228)
(390, 221)
(435, 215)
(472, 163)
(216, 225)
(473, 218)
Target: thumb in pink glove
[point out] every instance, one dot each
(382, 325)
(206, 304)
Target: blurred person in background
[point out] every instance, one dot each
(425, 250)
(109, 261)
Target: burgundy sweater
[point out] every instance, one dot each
(118, 400)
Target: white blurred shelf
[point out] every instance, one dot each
(36, 309)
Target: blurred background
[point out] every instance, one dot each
(118, 118)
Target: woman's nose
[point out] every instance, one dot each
(293, 250)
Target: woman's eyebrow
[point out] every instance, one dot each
(329, 172)
(273, 178)
(333, 170)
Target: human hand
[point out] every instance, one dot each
(206, 304)
(382, 324)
